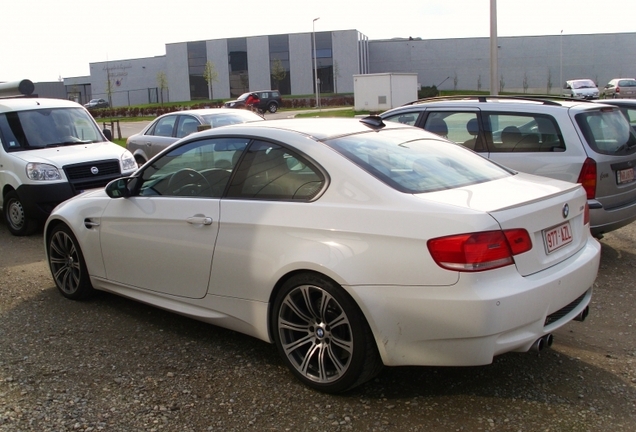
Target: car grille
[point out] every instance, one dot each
(553, 317)
(81, 176)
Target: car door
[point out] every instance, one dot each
(160, 136)
(162, 239)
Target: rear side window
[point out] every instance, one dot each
(459, 127)
(513, 132)
(404, 118)
(272, 172)
(607, 131)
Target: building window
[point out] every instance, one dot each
(197, 57)
(279, 63)
(237, 61)
(324, 55)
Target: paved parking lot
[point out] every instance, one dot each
(116, 365)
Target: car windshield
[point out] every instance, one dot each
(34, 129)
(243, 96)
(607, 131)
(412, 162)
(583, 84)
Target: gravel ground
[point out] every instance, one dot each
(110, 364)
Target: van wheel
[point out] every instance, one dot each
(18, 221)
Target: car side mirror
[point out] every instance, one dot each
(108, 134)
(122, 187)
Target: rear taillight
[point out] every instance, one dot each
(479, 251)
(618, 89)
(587, 178)
(586, 214)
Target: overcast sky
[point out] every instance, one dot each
(44, 40)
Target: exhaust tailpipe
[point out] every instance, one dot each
(542, 343)
(584, 313)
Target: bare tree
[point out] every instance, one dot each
(210, 75)
(525, 82)
(162, 82)
(278, 72)
(549, 86)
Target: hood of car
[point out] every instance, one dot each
(72, 154)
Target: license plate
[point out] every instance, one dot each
(557, 237)
(625, 176)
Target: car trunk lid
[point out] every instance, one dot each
(550, 210)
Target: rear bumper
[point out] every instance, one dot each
(483, 315)
(604, 220)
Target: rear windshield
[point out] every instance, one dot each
(607, 131)
(35, 129)
(413, 162)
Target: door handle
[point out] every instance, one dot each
(199, 220)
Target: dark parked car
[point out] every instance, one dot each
(97, 103)
(270, 100)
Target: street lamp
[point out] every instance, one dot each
(561, 60)
(315, 62)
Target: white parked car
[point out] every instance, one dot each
(349, 244)
(51, 150)
(580, 89)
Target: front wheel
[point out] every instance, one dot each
(322, 335)
(67, 264)
(18, 220)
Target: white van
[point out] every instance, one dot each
(50, 151)
(580, 89)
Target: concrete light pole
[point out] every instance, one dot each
(494, 86)
(561, 60)
(315, 62)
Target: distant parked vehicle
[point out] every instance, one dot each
(620, 88)
(580, 89)
(171, 127)
(269, 100)
(96, 103)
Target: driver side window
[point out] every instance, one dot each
(196, 169)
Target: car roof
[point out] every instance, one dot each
(202, 111)
(487, 100)
(24, 104)
(320, 128)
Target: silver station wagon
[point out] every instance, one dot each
(576, 141)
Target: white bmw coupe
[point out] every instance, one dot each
(350, 244)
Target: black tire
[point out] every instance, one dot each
(272, 107)
(322, 335)
(18, 220)
(140, 161)
(67, 264)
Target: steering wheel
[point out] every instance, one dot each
(187, 182)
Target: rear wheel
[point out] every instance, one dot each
(322, 335)
(272, 107)
(18, 220)
(67, 264)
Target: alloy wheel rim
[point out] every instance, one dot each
(315, 333)
(64, 262)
